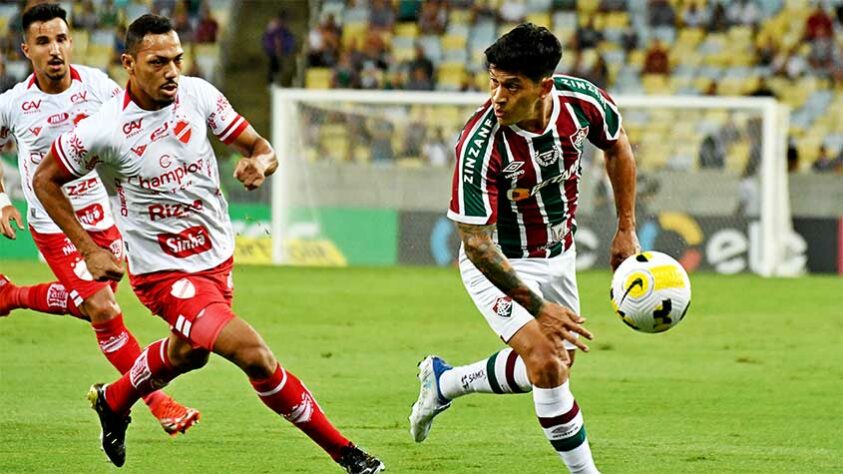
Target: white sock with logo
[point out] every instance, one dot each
(562, 423)
(502, 372)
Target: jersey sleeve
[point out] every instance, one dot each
(225, 123)
(605, 120)
(80, 150)
(474, 192)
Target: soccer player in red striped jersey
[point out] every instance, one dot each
(514, 199)
(152, 145)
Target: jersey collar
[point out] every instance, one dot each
(74, 76)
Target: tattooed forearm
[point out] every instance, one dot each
(487, 257)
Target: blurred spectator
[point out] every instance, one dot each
(661, 13)
(279, 45)
(598, 73)
(612, 5)
(435, 150)
(10, 46)
(629, 39)
(695, 16)
(792, 156)
(164, 7)
(712, 151)
(85, 17)
(323, 43)
(763, 89)
(513, 11)
(119, 45)
(381, 132)
(6, 81)
(419, 80)
(415, 137)
(767, 51)
(432, 18)
(711, 88)
(345, 75)
(656, 60)
(719, 21)
(181, 23)
(408, 10)
(381, 15)
(109, 15)
(749, 195)
(588, 36)
(468, 84)
(743, 12)
(825, 164)
(790, 63)
(371, 77)
(421, 61)
(819, 24)
(207, 27)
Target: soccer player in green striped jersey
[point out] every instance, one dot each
(514, 199)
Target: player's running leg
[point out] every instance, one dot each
(557, 411)
(51, 298)
(286, 395)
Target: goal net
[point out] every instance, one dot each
(365, 180)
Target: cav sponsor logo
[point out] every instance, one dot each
(187, 243)
(79, 97)
(503, 306)
(133, 127)
(31, 106)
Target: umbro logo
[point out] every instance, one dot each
(513, 169)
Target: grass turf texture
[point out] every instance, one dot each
(749, 382)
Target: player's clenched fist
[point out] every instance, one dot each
(251, 172)
(7, 215)
(103, 265)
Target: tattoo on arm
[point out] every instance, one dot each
(488, 258)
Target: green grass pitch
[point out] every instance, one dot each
(751, 381)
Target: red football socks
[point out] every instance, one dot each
(52, 298)
(284, 394)
(150, 371)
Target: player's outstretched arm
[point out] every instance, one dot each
(258, 160)
(480, 248)
(620, 166)
(48, 181)
(8, 212)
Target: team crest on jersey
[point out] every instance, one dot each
(578, 139)
(549, 157)
(503, 306)
(182, 131)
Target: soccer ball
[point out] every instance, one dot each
(650, 292)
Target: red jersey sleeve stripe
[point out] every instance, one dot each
(232, 127)
(244, 124)
(61, 159)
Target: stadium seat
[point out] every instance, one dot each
(318, 78)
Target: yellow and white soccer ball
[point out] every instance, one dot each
(651, 292)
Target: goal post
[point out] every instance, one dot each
(720, 197)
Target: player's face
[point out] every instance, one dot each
(515, 97)
(156, 66)
(48, 46)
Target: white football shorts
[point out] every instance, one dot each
(555, 279)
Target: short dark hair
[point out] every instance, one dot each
(528, 49)
(147, 24)
(42, 12)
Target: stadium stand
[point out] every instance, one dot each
(789, 49)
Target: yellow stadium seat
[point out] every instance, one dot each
(737, 156)
(656, 84)
(540, 19)
(451, 42)
(617, 20)
(407, 29)
(458, 16)
(318, 78)
(354, 33)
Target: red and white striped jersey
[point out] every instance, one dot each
(528, 183)
(162, 175)
(34, 119)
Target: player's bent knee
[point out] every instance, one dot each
(545, 366)
(101, 306)
(257, 361)
(185, 358)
